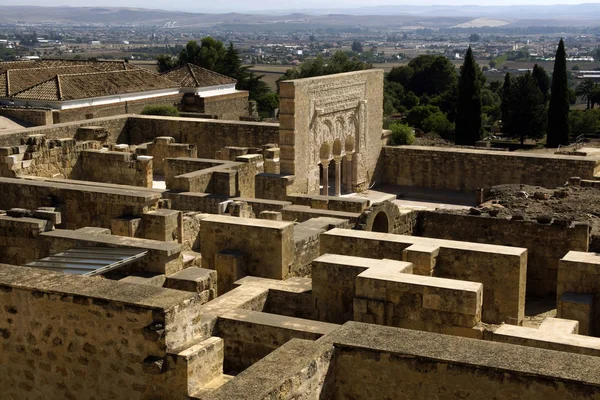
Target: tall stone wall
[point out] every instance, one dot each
(74, 337)
(466, 170)
(209, 136)
(340, 114)
(546, 243)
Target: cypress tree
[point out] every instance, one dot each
(468, 109)
(542, 79)
(558, 110)
(506, 104)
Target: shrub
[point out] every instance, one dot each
(417, 115)
(401, 134)
(438, 123)
(161, 109)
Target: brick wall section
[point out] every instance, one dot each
(466, 170)
(209, 136)
(546, 243)
(66, 336)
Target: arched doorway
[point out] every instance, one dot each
(381, 223)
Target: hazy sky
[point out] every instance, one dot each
(245, 5)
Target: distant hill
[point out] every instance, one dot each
(374, 16)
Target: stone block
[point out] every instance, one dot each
(197, 365)
(560, 325)
(578, 307)
(126, 226)
(422, 256)
(196, 280)
(230, 266)
(271, 215)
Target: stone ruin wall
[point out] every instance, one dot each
(209, 136)
(467, 170)
(346, 107)
(546, 243)
(109, 110)
(31, 117)
(63, 337)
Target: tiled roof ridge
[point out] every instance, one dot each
(189, 67)
(99, 72)
(59, 89)
(210, 71)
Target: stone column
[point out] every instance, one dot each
(338, 175)
(325, 178)
(348, 172)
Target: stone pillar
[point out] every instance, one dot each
(325, 178)
(338, 175)
(348, 172)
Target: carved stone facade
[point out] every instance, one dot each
(331, 118)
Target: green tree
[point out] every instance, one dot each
(318, 66)
(426, 74)
(468, 109)
(543, 80)
(357, 47)
(583, 122)
(586, 90)
(558, 110)
(528, 117)
(165, 63)
(417, 115)
(506, 104)
(473, 37)
(210, 54)
(438, 123)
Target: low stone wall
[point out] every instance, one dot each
(372, 362)
(251, 335)
(209, 136)
(116, 167)
(81, 205)
(579, 274)
(467, 170)
(227, 106)
(546, 243)
(115, 126)
(31, 117)
(65, 336)
(165, 147)
(501, 269)
(267, 246)
(101, 111)
(386, 297)
(37, 156)
(297, 370)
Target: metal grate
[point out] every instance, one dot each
(89, 261)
